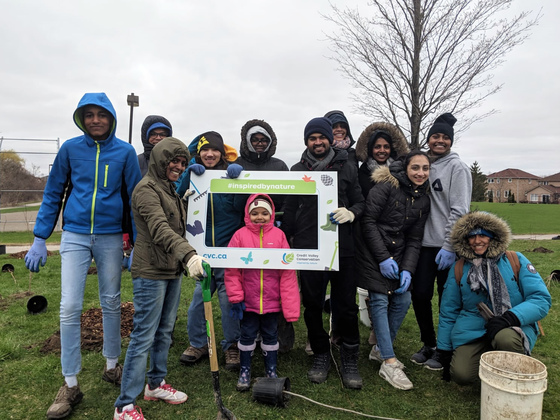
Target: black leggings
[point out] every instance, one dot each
(423, 291)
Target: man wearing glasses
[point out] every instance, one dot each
(257, 148)
(154, 129)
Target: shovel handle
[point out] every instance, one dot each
(205, 283)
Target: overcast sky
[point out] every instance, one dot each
(213, 65)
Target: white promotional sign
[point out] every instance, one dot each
(323, 185)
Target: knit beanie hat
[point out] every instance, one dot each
(260, 202)
(444, 125)
(320, 125)
(211, 139)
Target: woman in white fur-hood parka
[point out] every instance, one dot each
(378, 145)
(517, 300)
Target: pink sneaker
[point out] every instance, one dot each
(165, 392)
(134, 414)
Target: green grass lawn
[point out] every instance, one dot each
(20, 209)
(525, 218)
(30, 380)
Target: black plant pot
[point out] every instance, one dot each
(37, 305)
(271, 391)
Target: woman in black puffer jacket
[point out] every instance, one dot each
(388, 244)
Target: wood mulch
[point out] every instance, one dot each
(92, 329)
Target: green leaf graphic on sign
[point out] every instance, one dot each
(289, 258)
(196, 212)
(247, 175)
(265, 261)
(329, 202)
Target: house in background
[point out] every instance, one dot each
(510, 181)
(546, 191)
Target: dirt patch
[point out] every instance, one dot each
(5, 302)
(21, 255)
(542, 250)
(92, 329)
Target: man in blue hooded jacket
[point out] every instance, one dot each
(92, 179)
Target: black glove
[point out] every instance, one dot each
(445, 360)
(498, 323)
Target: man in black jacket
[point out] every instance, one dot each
(301, 225)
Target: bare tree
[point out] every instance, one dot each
(412, 60)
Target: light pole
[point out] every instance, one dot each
(133, 101)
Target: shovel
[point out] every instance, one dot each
(223, 412)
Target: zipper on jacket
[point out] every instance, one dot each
(106, 175)
(261, 231)
(95, 187)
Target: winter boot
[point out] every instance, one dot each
(270, 358)
(244, 382)
(349, 366)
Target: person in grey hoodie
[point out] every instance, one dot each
(451, 187)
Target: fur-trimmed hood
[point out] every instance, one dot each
(383, 174)
(480, 219)
(399, 146)
(244, 149)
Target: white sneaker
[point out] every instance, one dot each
(133, 414)
(395, 376)
(375, 354)
(165, 392)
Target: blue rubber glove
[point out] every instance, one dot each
(37, 254)
(389, 268)
(197, 168)
(234, 170)
(444, 259)
(406, 278)
(236, 311)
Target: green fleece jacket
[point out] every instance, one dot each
(161, 249)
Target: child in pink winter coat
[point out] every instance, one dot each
(257, 295)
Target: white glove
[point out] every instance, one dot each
(195, 266)
(342, 215)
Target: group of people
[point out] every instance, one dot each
(403, 222)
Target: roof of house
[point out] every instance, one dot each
(552, 178)
(513, 173)
(550, 188)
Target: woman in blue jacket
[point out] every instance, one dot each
(516, 300)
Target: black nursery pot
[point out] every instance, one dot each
(270, 391)
(37, 305)
(7, 268)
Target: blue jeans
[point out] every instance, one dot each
(196, 323)
(387, 313)
(155, 309)
(76, 252)
(252, 323)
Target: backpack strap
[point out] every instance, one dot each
(514, 262)
(459, 270)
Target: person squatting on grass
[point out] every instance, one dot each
(301, 226)
(516, 300)
(224, 216)
(160, 257)
(388, 242)
(92, 179)
(450, 196)
(258, 295)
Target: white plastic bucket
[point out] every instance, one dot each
(364, 313)
(512, 386)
